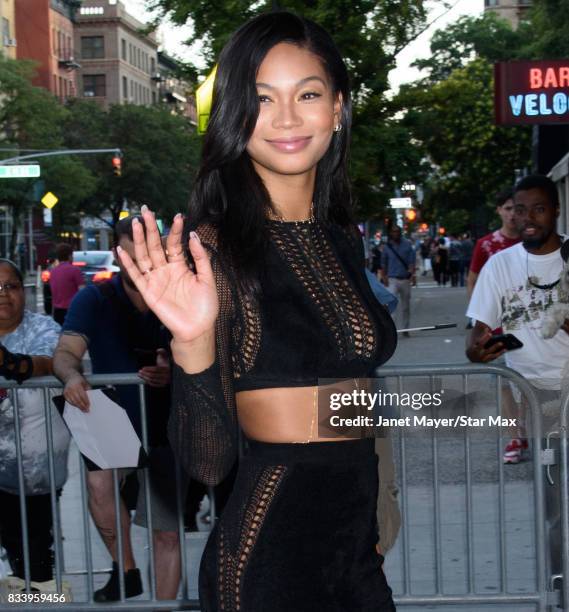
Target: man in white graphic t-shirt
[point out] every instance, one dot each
(516, 288)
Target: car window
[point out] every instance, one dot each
(92, 259)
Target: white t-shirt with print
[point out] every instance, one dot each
(503, 297)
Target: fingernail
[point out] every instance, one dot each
(119, 249)
(195, 236)
(143, 208)
(178, 216)
(135, 221)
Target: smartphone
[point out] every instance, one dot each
(510, 342)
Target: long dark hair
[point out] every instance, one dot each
(228, 192)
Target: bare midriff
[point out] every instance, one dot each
(280, 415)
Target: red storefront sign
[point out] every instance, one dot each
(531, 93)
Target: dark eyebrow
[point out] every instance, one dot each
(299, 84)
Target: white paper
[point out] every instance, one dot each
(104, 434)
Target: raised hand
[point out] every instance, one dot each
(185, 301)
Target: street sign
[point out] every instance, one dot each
(49, 200)
(401, 203)
(20, 171)
(531, 92)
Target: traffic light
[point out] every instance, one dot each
(117, 165)
(411, 214)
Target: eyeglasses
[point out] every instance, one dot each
(9, 287)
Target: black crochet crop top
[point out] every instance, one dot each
(316, 318)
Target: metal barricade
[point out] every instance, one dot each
(428, 589)
(45, 385)
(404, 555)
(564, 502)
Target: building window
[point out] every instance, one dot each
(491, 2)
(152, 66)
(94, 85)
(132, 91)
(153, 97)
(92, 47)
(130, 54)
(125, 88)
(123, 49)
(55, 85)
(6, 32)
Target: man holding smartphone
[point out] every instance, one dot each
(515, 289)
(113, 323)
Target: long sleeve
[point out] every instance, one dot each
(202, 428)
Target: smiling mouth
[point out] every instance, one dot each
(290, 145)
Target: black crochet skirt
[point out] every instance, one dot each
(298, 533)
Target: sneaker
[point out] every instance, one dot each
(516, 450)
(111, 590)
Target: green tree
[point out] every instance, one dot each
(489, 37)
(160, 157)
(31, 118)
(546, 31)
(471, 157)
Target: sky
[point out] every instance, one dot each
(172, 37)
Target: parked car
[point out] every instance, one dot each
(97, 266)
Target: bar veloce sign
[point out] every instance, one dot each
(531, 92)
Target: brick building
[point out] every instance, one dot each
(45, 34)
(118, 61)
(512, 10)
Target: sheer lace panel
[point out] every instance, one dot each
(308, 252)
(235, 552)
(202, 427)
(246, 336)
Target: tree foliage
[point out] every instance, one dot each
(160, 157)
(450, 113)
(546, 33)
(31, 118)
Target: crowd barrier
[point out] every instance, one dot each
(427, 585)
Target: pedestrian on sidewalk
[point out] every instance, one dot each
(467, 247)
(398, 273)
(454, 257)
(28, 340)
(440, 262)
(514, 291)
(65, 280)
(504, 237)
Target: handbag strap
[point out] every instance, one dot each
(398, 256)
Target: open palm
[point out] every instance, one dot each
(185, 301)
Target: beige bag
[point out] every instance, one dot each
(388, 513)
